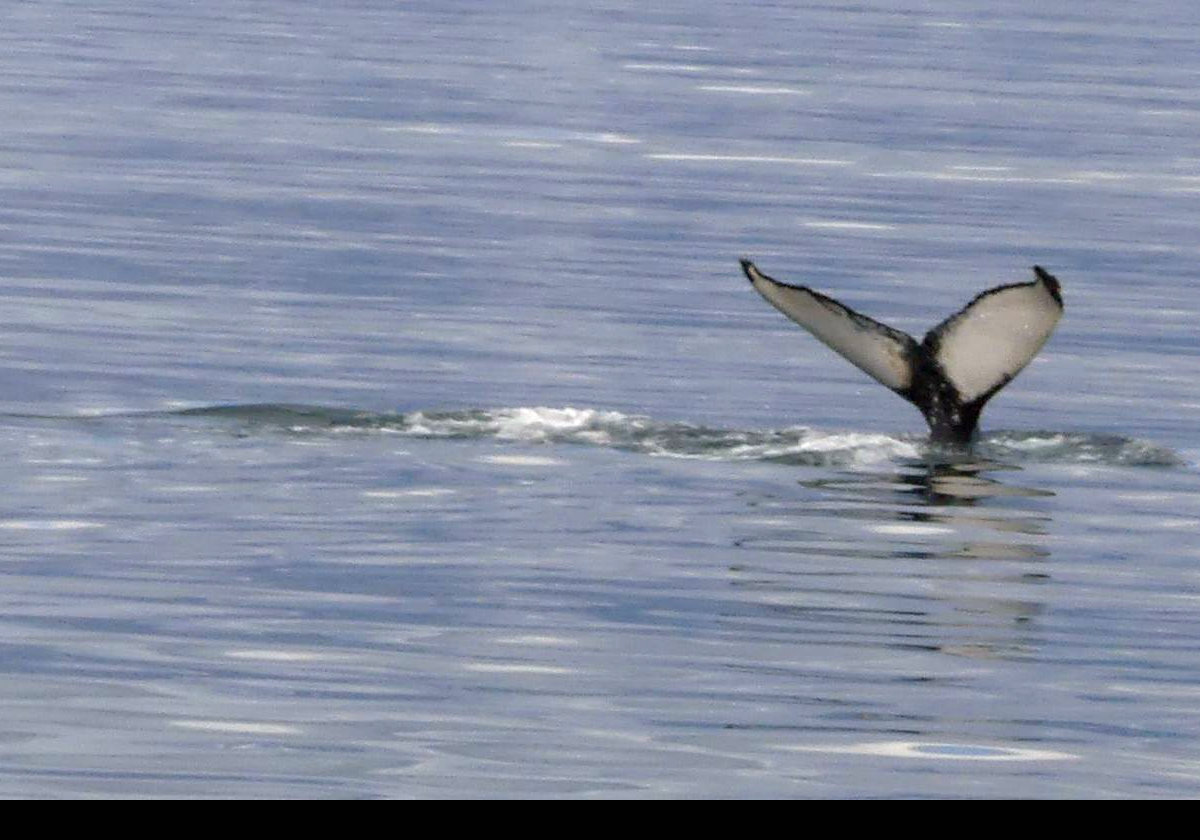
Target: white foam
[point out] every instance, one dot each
(1031, 444)
(851, 449)
(535, 424)
(542, 423)
(859, 442)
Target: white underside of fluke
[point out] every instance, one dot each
(978, 349)
(874, 348)
(995, 337)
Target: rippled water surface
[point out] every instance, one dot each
(384, 414)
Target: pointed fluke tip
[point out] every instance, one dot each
(1051, 282)
(748, 269)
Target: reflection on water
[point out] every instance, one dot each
(950, 546)
(960, 497)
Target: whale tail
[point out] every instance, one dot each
(961, 363)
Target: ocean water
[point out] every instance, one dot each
(383, 412)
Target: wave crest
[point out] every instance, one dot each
(792, 445)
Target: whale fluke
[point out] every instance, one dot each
(961, 363)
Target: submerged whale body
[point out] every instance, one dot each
(961, 363)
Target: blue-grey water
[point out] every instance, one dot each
(383, 413)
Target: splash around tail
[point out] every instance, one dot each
(565, 426)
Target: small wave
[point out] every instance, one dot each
(630, 432)
(1076, 448)
(671, 439)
